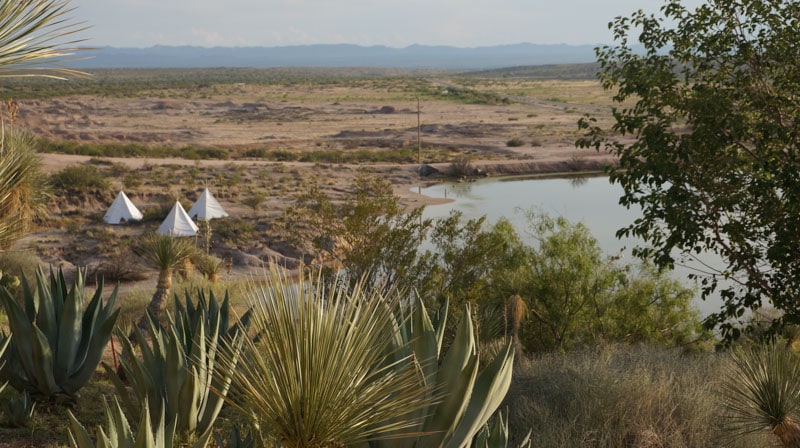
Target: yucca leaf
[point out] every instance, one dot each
(443, 313)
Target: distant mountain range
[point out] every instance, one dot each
(339, 55)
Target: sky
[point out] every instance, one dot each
(394, 23)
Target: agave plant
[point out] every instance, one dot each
(494, 434)
(470, 395)
(57, 343)
(178, 374)
(321, 372)
(211, 311)
(17, 411)
(118, 434)
(762, 390)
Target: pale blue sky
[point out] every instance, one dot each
(395, 23)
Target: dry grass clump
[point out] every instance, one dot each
(621, 396)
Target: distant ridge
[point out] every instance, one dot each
(339, 55)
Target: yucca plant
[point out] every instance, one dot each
(470, 395)
(36, 37)
(208, 265)
(165, 253)
(23, 195)
(57, 343)
(178, 373)
(321, 373)
(762, 390)
(118, 434)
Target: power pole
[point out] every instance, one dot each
(419, 145)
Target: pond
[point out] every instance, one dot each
(592, 200)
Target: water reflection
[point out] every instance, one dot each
(592, 200)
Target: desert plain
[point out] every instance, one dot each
(272, 135)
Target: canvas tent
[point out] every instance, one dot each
(206, 208)
(177, 223)
(122, 210)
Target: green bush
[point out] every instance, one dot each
(80, 178)
(515, 142)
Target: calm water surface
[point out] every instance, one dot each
(593, 201)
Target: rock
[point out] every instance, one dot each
(427, 170)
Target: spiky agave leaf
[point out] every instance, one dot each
(762, 390)
(36, 36)
(319, 374)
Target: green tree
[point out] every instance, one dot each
(711, 107)
(575, 295)
(368, 232)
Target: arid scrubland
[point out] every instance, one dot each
(252, 134)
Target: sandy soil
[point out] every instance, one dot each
(290, 118)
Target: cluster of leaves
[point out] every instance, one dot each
(711, 102)
(80, 178)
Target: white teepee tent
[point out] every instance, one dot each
(206, 208)
(177, 223)
(122, 210)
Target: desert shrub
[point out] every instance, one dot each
(461, 166)
(624, 396)
(192, 153)
(19, 263)
(80, 178)
(515, 142)
(120, 267)
(233, 230)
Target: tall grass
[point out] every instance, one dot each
(622, 396)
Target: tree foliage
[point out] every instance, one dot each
(368, 232)
(712, 107)
(575, 294)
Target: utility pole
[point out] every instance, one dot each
(419, 146)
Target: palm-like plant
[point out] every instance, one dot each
(762, 390)
(22, 195)
(321, 373)
(36, 36)
(165, 253)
